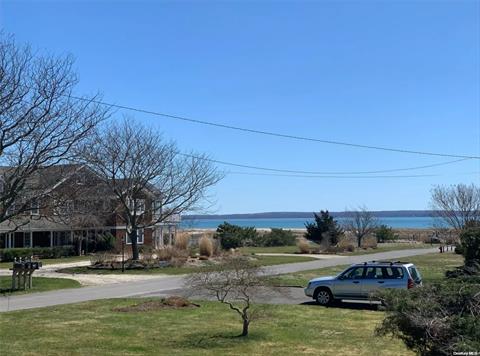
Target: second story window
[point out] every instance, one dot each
(137, 206)
(34, 208)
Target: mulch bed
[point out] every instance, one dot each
(152, 305)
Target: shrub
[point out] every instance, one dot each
(324, 229)
(384, 233)
(277, 237)
(181, 241)
(369, 242)
(8, 255)
(436, 319)
(105, 242)
(303, 245)
(171, 254)
(346, 245)
(233, 236)
(205, 245)
(470, 245)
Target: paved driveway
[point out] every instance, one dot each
(166, 284)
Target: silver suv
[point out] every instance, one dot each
(359, 281)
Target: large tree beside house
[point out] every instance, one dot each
(147, 175)
(40, 123)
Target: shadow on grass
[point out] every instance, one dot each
(342, 305)
(226, 339)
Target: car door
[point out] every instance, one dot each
(373, 280)
(349, 284)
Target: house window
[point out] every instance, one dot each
(34, 208)
(140, 237)
(137, 206)
(157, 208)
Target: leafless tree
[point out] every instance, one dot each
(457, 205)
(40, 123)
(233, 282)
(136, 163)
(361, 223)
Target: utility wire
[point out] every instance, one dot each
(318, 173)
(276, 134)
(333, 176)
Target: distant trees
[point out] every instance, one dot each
(134, 162)
(361, 223)
(457, 205)
(324, 228)
(40, 122)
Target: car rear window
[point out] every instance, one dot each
(414, 273)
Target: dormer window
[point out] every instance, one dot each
(34, 208)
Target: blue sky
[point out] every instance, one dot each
(386, 73)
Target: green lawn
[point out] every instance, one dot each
(431, 266)
(385, 247)
(261, 261)
(51, 261)
(40, 284)
(93, 328)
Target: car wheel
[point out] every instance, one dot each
(324, 297)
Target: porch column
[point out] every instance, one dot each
(51, 238)
(160, 237)
(31, 238)
(170, 240)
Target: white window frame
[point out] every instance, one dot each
(140, 237)
(34, 208)
(140, 203)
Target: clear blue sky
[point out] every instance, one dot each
(390, 73)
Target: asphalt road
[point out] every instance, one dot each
(169, 285)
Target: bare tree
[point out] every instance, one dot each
(361, 223)
(457, 205)
(234, 282)
(40, 122)
(136, 163)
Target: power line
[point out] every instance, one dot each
(333, 176)
(318, 173)
(275, 134)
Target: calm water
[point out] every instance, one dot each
(298, 223)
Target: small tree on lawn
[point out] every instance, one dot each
(234, 282)
(325, 226)
(361, 223)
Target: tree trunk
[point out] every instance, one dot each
(133, 239)
(246, 323)
(359, 240)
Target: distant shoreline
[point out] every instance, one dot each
(308, 215)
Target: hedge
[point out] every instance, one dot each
(8, 255)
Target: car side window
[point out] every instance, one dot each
(354, 273)
(374, 273)
(393, 272)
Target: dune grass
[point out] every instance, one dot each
(432, 267)
(94, 328)
(40, 284)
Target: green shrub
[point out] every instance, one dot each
(437, 319)
(8, 255)
(276, 237)
(105, 242)
(384, 233)
(325, 227)
(470, 242)
(234, 236)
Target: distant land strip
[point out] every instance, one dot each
(309, 215)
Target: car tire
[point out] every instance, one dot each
(323, 296)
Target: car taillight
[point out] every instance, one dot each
(410, 283)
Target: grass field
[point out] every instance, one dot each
(40, 284)
(431, 266)
(51, 261)
(93, 328)
(261, 261)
